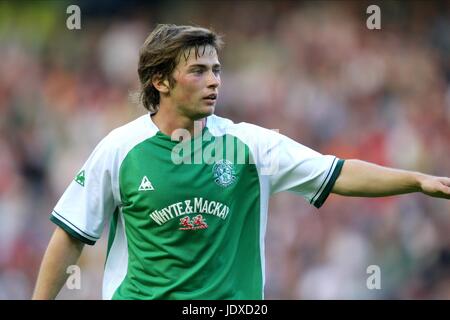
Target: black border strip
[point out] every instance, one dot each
(74, 226)
(70, 231)
(324, 181)
(326, 192)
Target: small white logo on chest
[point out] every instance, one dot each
(146, 185)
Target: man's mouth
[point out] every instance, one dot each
(212, 97)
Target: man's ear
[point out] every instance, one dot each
(161, 84)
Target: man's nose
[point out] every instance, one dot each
(213, 80)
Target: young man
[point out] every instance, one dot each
(188, 207)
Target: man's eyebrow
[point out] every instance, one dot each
(205, 66)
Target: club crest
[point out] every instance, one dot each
(224, 173)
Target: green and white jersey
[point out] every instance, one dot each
(188, 219)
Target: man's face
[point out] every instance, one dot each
(197, 80)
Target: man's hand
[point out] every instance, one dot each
(438, 187)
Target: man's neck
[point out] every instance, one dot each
(167, 122)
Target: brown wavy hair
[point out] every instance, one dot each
(160, 54)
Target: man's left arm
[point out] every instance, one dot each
(363, 179)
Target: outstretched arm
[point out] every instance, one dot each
(62, 251)
(363, 179)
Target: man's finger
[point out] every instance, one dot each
(443, 192)
(446, 190)
(446, 181)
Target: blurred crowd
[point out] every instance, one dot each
(310, 69)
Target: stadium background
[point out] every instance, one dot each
(310, 69)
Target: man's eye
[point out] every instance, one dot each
(198, 71)
(216, 71)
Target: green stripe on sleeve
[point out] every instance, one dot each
(70, 231)
(326, 192)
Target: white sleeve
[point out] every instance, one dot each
(291, 166)
(88, 201)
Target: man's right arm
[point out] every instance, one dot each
(63, 250)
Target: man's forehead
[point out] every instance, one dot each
(196, 55)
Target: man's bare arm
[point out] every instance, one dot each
(62, 251)
(363, 179)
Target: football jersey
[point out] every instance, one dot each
(188, 219)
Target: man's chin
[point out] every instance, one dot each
(205, 112)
